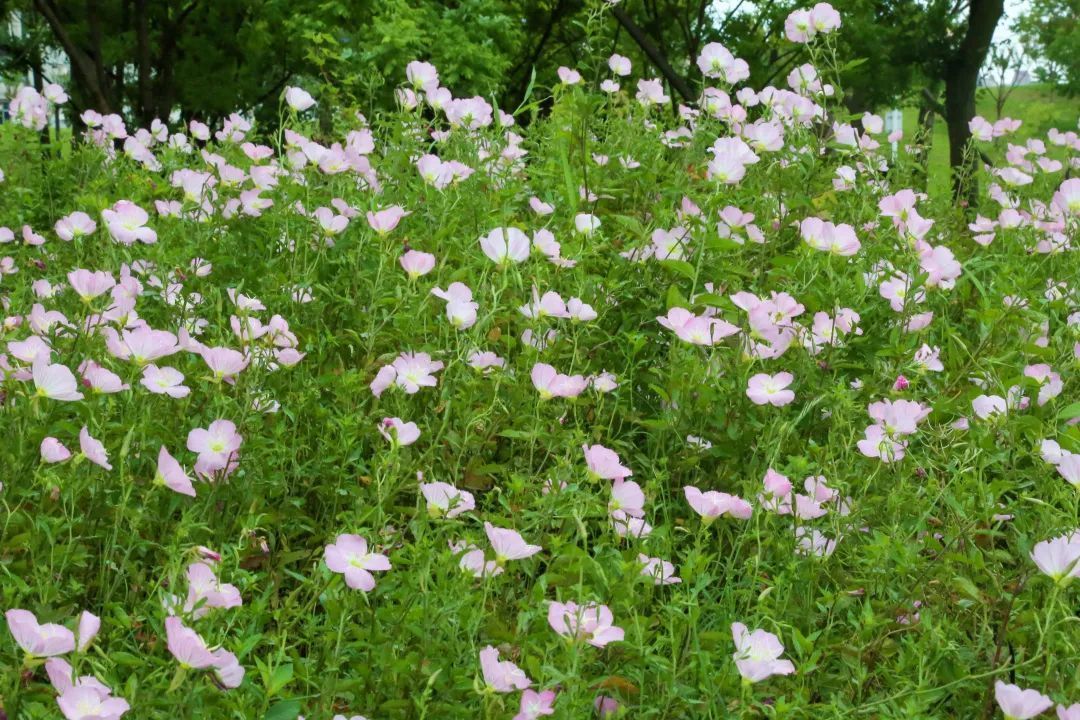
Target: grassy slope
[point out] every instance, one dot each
(1037, 105)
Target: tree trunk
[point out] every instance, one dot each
(961, 79)
(655, 54)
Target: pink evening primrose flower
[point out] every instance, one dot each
(661, 571)
(416, 263)
(415, 370)
(590, 622)
(349, 556)
(1059, 558)
(445, 500)
(384, 221)
(1020, 704)
(604, 464)
(186, 645)
(757, 654)
(508, 544)
(502, 676)
(551, 384)
(535, 704)
(505, 246)
(711, 505)
(763, 389)
(171, 474)
(164, 381)
(84, 702)
(216, 445)
(399, 432)
(55, 382)
(53, 451)
(39, 640)
(93, 450)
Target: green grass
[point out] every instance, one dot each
(1039, 106)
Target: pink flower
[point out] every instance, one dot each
(879, 444)
(55, 382)
(172, 475)
(88, 285)
(384, 221)
(1069, 468)
(101, 380)
(661, 571)
(711, 504)
(349, 556)
(126, 223)
(89, 625)
(445, 500)
(227, 668)
(757, 654)
(591, 623)
(422, 75)
(225, 363)
(141, 345)
(508, 544)
(606, 707)
(534, 704)
(84, 702)
(505, 246)
(696, 330)
(415, 370)
(398, 432)
(217, 445)
(52, 451)
(1059, 558)
(551, 384)
(502, 676)
(1018, 704)
(205, 591)
(298, 99)
(75, 225)
(416, 263)
(604, 464)
(825, 236)
(1069, 713)
(164, 381)
(770, 389)
(186, 645)
(39, 640)
(540, 207)
(627, 497)
(486, 361)
(93, 450)
(568, 76)
(988, 406)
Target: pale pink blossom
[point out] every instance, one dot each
(764, 389)
(39, 640)
(93, 450)
(757, 654)
(1020, 704)
(502, 676)
(591, 622)
(349, 555)
(508, 544)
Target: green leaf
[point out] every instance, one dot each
(284, 710)
(279, 679)
(680, 266)
(1069, 412)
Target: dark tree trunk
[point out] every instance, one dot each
(145, 111)
(961, 78)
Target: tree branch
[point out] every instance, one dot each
(654, 53)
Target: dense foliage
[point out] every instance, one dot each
(630, 413)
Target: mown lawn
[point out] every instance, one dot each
(1039, 106)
